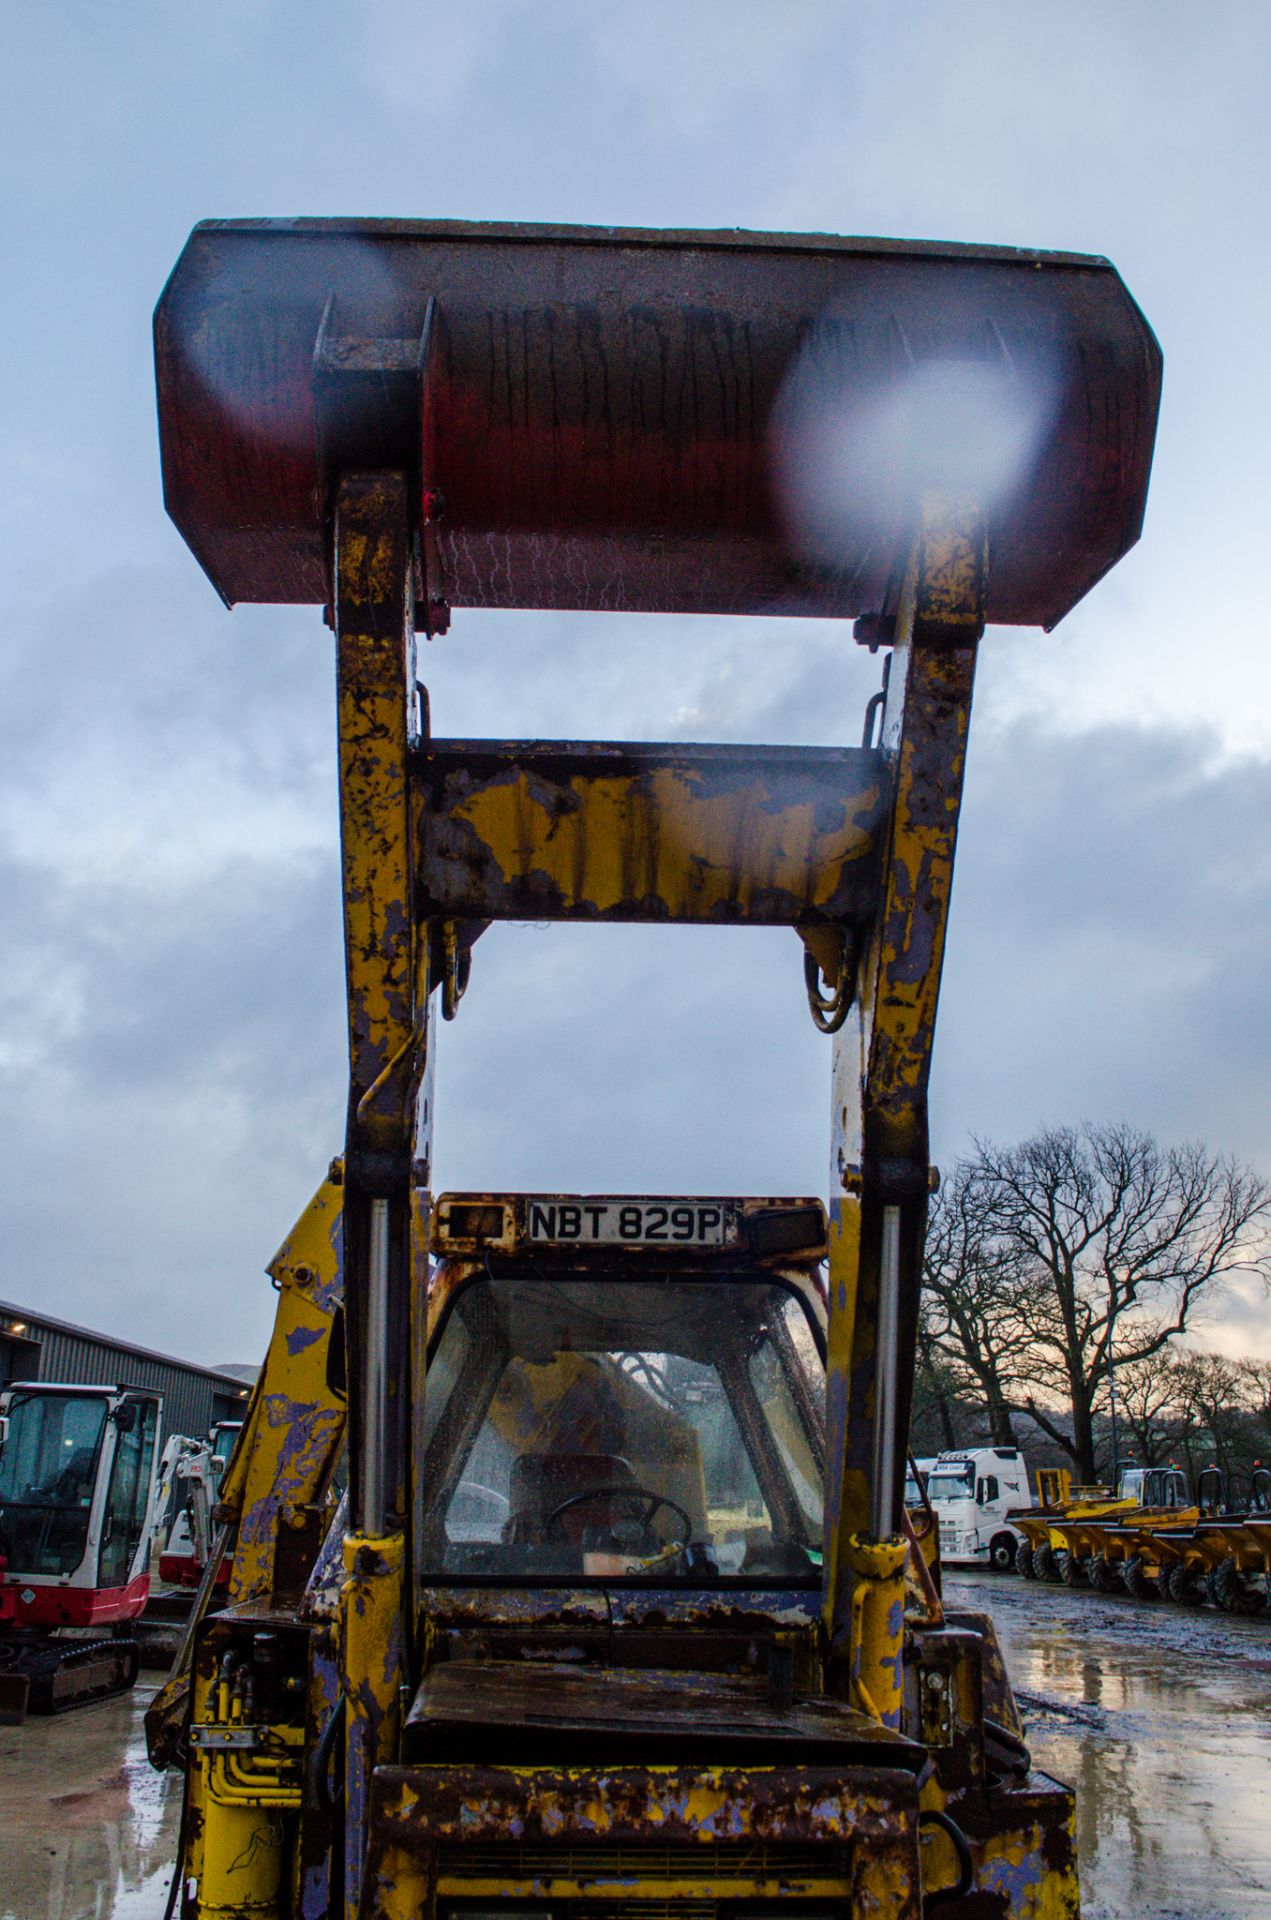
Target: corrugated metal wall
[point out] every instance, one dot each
(193, 1397)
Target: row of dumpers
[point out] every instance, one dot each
(1207, 1551)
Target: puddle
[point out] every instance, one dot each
(89, 1828)
(1162, 1722)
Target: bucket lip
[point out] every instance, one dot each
(673, 239)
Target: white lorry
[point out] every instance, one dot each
(972, 1491)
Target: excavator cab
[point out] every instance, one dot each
(78, 1469)
(623, 1610)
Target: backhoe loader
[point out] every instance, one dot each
(621, 1613)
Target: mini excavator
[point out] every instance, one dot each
(78, 1472)
(622, 1613)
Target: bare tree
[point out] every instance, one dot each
(978, 1308)
(1256, 1375)
(1120, 1240)
(1147, 1395)
(935, 1404)
(1212, 1398)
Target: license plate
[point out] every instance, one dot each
(600, 1223)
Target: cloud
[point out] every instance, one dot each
(170, 1045)
(424, 57)
(171, 1018)
(1110, 938)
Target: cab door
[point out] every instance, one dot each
(128, 1495)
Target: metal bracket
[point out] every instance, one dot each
(374, 409)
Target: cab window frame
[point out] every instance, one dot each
(475, 1413)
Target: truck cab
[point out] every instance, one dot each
(972, 1491)
(916, 1474)
(195, 1482)
(77, 1470)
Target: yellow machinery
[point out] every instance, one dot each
(1152, 1540)
(1170, 1545)
(1039, 1554)
(621, 1614)
(1097, 1545)
(1065, 1536)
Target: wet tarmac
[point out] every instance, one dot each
(87, 1829)
(1161, 1719)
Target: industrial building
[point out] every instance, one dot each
(33, 1346)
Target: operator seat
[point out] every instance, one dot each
(540, 1481)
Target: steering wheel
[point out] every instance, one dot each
(624, 1491)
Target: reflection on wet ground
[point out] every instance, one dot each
(1161, 1719)
(89, 1830)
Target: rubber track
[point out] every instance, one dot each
(43, 1664)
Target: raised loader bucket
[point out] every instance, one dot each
(661, 422)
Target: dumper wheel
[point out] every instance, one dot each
(1044, 1567)
(1183, 1586)
(1138, 1584)
(1024, 1560)
(1002, 1552)
(1076, 1572)
(1231, 1593)
(1104, 1577)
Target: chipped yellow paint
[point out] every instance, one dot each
(878, 1626)
(933, 669)
(402, 1888)
(846, 1487)
(661, 838)
(374, 670)
(294, 1425)
(370, 1604)
(372, 1669)
(951, 561)
(703, 1885)
(234, 1847)
(1019, 1866)
(436, 1818)
(882, 1054)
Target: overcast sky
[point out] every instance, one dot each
(171, 1023)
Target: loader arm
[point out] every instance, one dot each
(271, 1510)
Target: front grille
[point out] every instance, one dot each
(754, 1863)
(584, 1910)
(674, 1860)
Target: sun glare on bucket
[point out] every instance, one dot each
(852, 458)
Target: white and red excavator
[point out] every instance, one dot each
(78, 1498)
